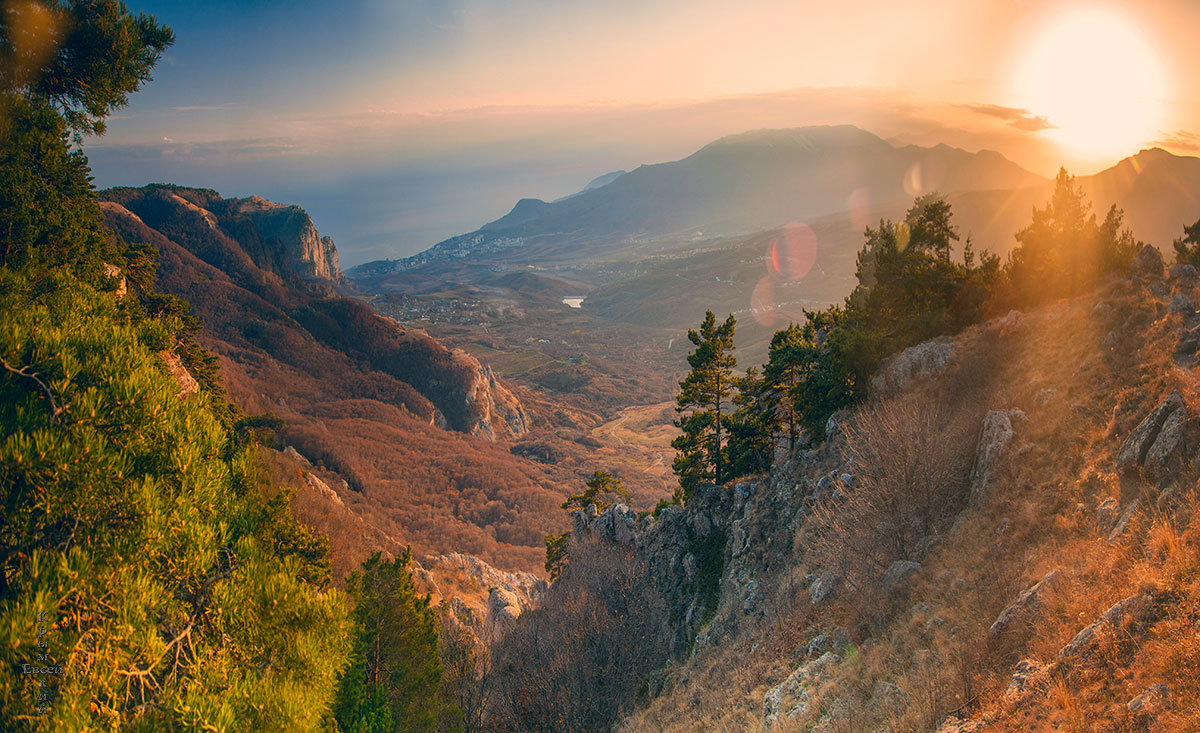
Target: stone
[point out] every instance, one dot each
(1113, 617)
(887, 699)
(790, 697)
(993, 439)
(294, 454)
(835, 424)
(1133, 453)
(1166, 453)
(1045, 396)
(1028, 674)
(1106, 515)
(898, 572)
(1181, 305)
(822, 588)
(923, 360)
(1028, 603)
(183, 378)
(1183, 272)
(1123, 523)
(1152, 700)
(1189, 342)
(113, 272)
(1147, 263)
(1008, 324)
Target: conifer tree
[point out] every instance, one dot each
(702, 396)
(752, 426)
(394, 676)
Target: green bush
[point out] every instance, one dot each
(180, 596)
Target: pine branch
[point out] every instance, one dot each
(55, 410)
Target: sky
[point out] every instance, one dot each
(398, 124)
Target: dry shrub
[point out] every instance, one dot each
(911, 460)
(580, 661)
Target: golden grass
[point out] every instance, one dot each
(934, 643)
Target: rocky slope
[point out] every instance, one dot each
(1051, 584)
(267, 263)
(413, 438)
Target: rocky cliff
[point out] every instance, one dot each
(291, 229)
(1034, 575)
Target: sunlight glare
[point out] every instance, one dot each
(1097, 80)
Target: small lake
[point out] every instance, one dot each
(573, 302)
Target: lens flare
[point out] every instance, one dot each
(792, 255)
(858, 204)
(763, 305)
(914, 180)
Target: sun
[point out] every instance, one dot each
(1097, 80)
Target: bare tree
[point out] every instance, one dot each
(911, 462)
(579, 662)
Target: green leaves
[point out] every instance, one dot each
(702, 395)
(182, 596)
(395, 673)
(84, 57)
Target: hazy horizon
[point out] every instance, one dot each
(397, 126)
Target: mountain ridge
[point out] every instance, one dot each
(734, 185)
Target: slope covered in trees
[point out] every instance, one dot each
(151, 577)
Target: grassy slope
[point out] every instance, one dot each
(932, 640)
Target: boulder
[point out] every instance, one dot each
(923, 360)
(1166, 453)
(1147, 263)
(790, 697)
(822, 588)
(993, 439)
(1106, 515)
(898, 572)
(1153, 699)
(1123, 523)
(1028, 675)
(1028, 603)
(1133, 453)
(1181, 305)
(1184, 272)
(183, 378)
(1008, 324)
(887, 699)
(1116, 615)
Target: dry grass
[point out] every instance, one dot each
(933, 641)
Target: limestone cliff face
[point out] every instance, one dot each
(234, 234)
(493, 408)
(291, 229)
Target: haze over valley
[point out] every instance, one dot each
(631, 366)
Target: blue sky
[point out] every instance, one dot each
(397, 124)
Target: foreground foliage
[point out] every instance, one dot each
(137, 531)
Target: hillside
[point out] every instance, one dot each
(1050, 585)
(423, 443)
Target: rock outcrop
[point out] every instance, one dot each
(995, 436)
(923, 360)
(1028, 604)
(291, 230)
(1157, 443)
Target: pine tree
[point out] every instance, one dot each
(752, 426)
(602, 489)
(395, 673)
(702, 395)
(781, 374)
